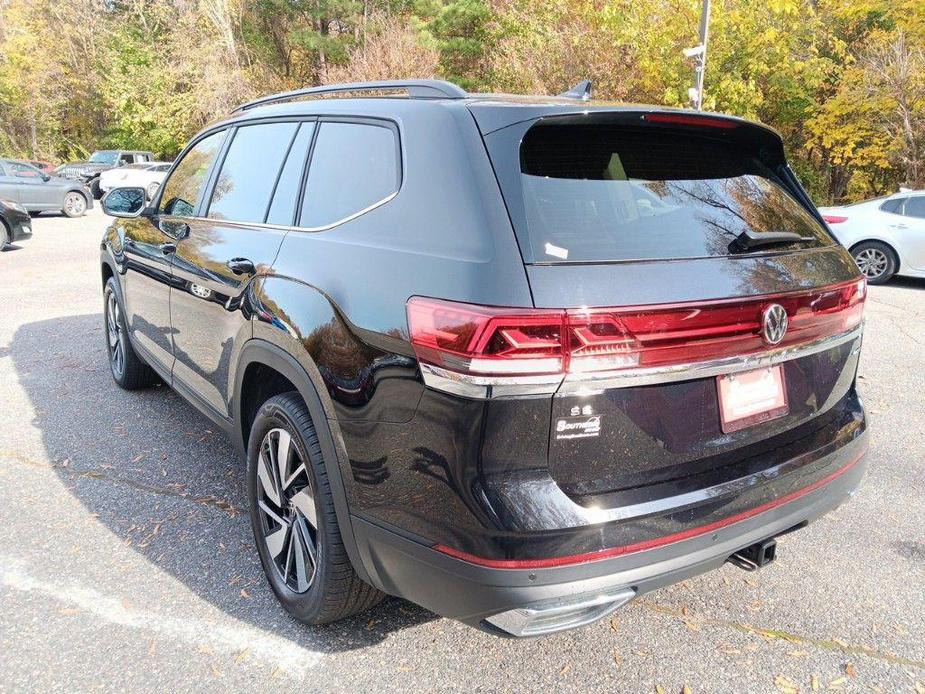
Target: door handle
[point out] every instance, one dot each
(241, 266)
(167, 248)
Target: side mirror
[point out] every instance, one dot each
(124, 202)
(46, 177)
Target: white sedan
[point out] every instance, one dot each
(148, 175)
(886, 236)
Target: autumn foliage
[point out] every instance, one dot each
(842, 80)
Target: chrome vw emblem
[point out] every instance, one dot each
(774, 324)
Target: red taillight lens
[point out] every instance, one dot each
(834, 219)
(494, 341)
(483, 340)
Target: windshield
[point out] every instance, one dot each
(605, 193)
(106, 156)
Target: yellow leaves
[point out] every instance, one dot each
(785, 686)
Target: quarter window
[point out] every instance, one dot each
(249, 172)
(895, 205)
(353, 167)
(182, 190)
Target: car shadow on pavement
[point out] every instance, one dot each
(165, 482)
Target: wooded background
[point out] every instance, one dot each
(842, 80)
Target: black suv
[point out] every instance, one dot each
(516, 359)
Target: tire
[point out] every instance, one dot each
(75, 204)
(877, 261)
(94, 187)
(4, 236)
(128, 369)
(294, 521)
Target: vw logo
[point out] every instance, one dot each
(774, 324)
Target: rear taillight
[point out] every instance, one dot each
(834, 219)
(486, 341)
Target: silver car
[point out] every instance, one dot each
(38, 192)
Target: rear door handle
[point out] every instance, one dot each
(241, 266)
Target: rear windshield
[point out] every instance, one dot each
(602, 193)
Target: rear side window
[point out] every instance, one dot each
(915, 207)
(895, 205)
(604, 193)
(253, 162)
(353, 167)
(182, 190)
(286, 195)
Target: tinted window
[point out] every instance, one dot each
(20, 170)
(181, 192)
(353, 167)
(604, 193)
(895, 205)
(286, 195)
(242, 191)
(915, 207)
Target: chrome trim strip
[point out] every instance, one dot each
(597, 382)
(489, 387)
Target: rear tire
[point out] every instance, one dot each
(293, 518)
(876, 261)
(128, 370)
(4, 236)
(95, 190)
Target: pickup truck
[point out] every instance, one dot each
(88, 172)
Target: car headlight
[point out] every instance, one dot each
(14, 205)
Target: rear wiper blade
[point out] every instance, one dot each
(749, 239)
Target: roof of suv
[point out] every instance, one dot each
(491, 111)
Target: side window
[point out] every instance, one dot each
(21, 170)
(353, 167)
(182, 189)
(286, 195)
(249, 172)
(126, 159)
(895, 205)
(915, 207)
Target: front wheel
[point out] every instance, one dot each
(293, 518)
(4, 236)
(876, 261)
(74, 204)
(128, 370)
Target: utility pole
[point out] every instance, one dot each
(699, 55)
(702, 66)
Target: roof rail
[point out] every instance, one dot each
(417, 89)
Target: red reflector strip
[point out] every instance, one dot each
(834, 219)
(684, 119)
(647, 544)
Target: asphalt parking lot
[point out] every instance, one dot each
(126, 560)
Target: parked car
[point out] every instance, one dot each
(148, 176)
(15, 223)
(516, 359)
(88, 172)
(886, 236)
(39, 192)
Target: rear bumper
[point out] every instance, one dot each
(20, 225)
(464, 590)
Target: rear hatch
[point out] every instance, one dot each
(669, 237)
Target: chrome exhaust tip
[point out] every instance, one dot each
(550, 616)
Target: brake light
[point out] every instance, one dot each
(684, 119)
(834, 219)
(487, 341)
